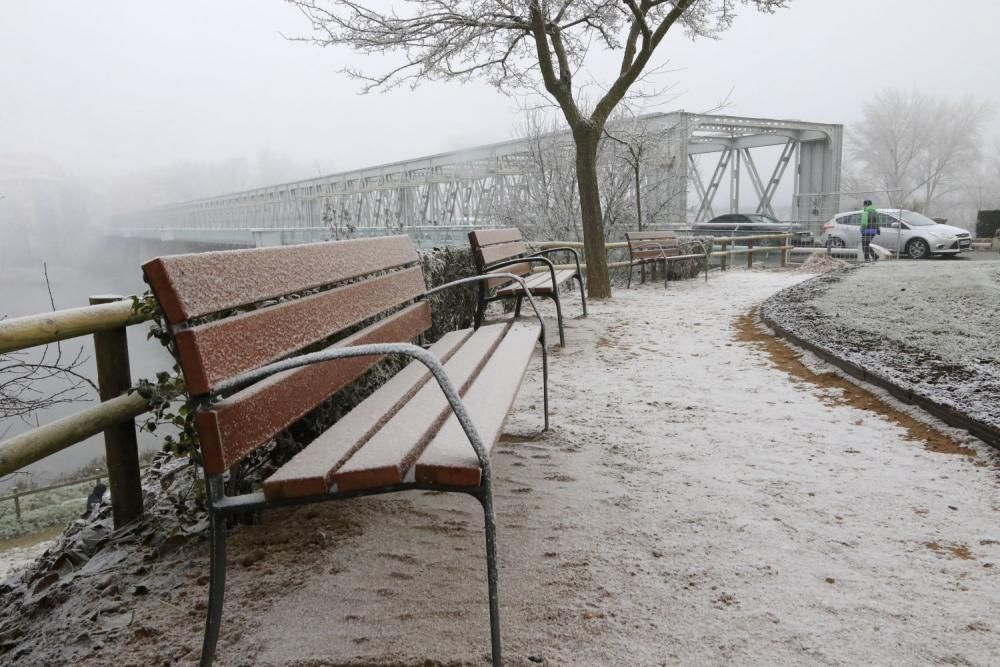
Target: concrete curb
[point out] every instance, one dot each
(985, 432)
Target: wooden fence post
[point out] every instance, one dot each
(724, 260)
(114, 377)
(17, 508)
(750, 254)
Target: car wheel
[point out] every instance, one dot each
(837, 242)
(918, 249)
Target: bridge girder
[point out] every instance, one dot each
(463, 187)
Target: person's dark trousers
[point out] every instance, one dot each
(866, 247)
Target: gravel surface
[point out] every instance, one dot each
(931, 327)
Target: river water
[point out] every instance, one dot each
(23, 292)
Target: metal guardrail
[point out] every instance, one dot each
(106, 319)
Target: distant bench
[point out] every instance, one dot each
(653, 248)
(429, 427)
(504, 251)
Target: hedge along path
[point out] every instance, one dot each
(749, 329)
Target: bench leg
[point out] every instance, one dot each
(629, 284)
(517, 306)
(545, 381)
(491, 570)
(216, 586)
(480, 306)
(559, 319)
(583, 293)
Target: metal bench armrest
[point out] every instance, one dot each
(491, 276)
(649, 245)
(378, 349)
(530, 259)
(576, 255)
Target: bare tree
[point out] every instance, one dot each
(549, 207)
(528, 45)
(30, 382)
(920, 148)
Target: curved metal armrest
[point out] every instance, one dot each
(491, 276)
(379, 349)
(521, 260)
(576, 255)
(650, 245)
(530, 259)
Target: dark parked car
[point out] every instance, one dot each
(754, 223)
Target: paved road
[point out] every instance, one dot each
(988, 256)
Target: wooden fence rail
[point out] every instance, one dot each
(105, 319)
(724, 252)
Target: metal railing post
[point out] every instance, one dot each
(114, 377)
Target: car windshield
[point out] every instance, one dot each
(915, 219)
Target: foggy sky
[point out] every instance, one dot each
(118, 86)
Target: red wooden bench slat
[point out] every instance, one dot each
(193, 285)
(497, 253)
(485, 237)
(218, 350)
(310, 471)
(235, 426)
(385, 459)
(449, 458)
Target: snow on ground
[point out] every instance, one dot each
(930, 327)
(692, 504)
(952, 308)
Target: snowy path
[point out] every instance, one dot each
(693, 504)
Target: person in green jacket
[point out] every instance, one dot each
(869, 230)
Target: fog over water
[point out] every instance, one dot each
(118, 105)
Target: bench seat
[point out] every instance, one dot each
(653, 248)
(539, 283)
(406, 425)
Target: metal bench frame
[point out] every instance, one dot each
(540, 257)
(221, 506)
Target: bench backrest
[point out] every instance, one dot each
(491, 246)
(306, 296)
(648, 245)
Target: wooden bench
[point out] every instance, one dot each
(652, 248)
(504, 251)
(431, 426)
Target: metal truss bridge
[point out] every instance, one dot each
(438, 198)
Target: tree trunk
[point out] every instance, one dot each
(598, 282)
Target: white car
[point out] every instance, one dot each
(916, 235)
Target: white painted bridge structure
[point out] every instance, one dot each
(438, 198)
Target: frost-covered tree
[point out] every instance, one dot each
(919, 148)
(525, 45)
